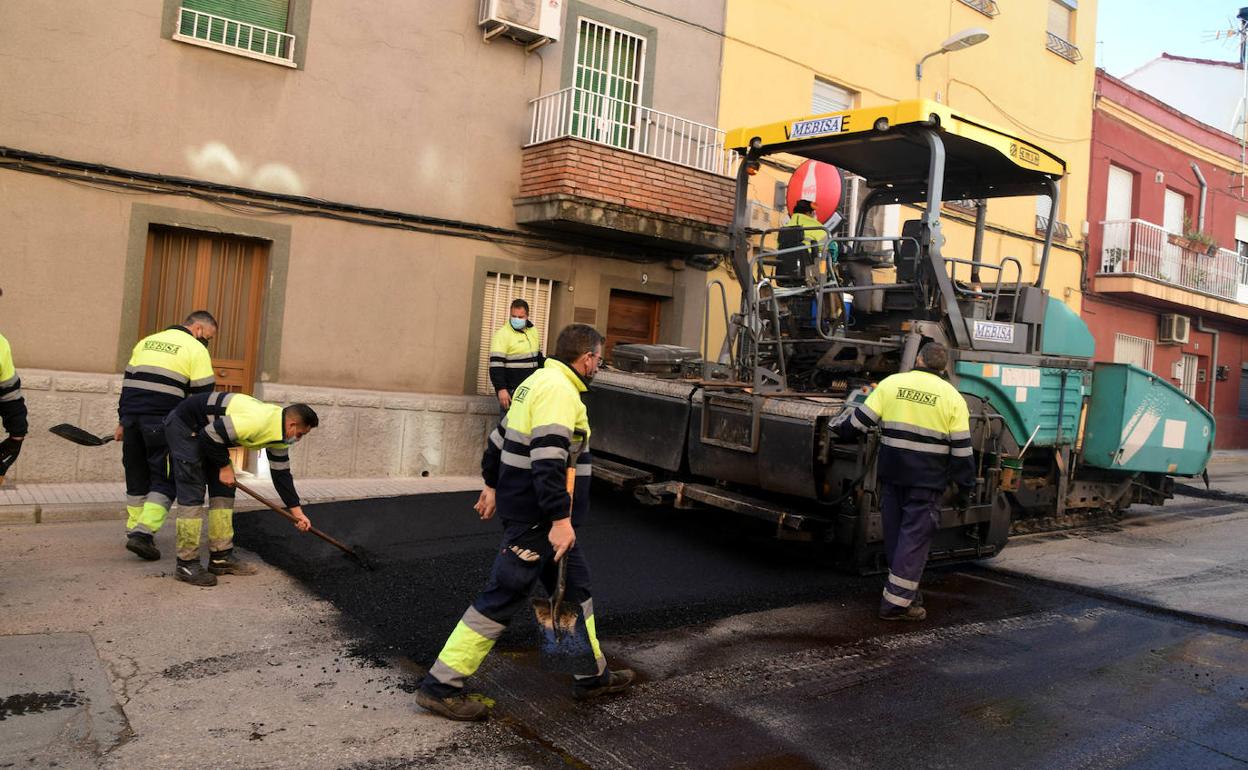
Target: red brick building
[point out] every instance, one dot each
(1168, 251)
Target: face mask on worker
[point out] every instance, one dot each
(519, 323)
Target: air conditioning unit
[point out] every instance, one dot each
(1175, 330)
(762, 216)
(532, 22)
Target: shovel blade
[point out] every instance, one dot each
(563, 643)
(77, 435)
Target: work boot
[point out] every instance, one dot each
(194, 573)
(224, 563)
(910, 613)
(141, 544)
(617, 681)
(456, 707)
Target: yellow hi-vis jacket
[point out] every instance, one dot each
(514, 355)
(12, 404)
(526, 458)
(164, 368)
(925, 438)
(812, 229)
(225, 420)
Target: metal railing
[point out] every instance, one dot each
(986, 7)
(582, 114)
(1136, 247)
(235, 36)
(1063, 48)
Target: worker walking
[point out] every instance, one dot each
(12, 410)
(164, 369)
(200, 432)
(515, 353)
(925, 443)
(525, 471)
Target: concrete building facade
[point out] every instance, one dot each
(1032, 77)
(1168, 251)
(355, 190)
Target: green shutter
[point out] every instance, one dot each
(269, 14)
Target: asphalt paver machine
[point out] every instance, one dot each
(1059, 440)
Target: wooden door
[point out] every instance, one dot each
(187, 270)
(631, 318)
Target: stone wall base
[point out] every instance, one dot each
(363, 433)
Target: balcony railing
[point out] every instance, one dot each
(986, 7)
(237, 37)
(576, 112)
(1063, 48)
(1136, 247)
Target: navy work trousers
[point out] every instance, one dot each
(911, 516)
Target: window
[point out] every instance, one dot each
(610, 66)
(1061, 29)
(827, 97)
(1136, 351)
(1243, 391)
(252, 28)
(1044, 204)
(1188, 365)
(500, 290)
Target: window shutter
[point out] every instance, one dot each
(500, 290)
(827, 97)
(270, 14)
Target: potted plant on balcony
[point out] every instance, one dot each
(1114, 260)
(1193, 239)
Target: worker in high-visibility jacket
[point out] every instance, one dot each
(515, 353)
(200, 433)
(164, 369)
(925, 444)
(12, 410)
(525, 469)
(801, 228)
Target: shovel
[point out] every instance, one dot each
(564, 644)
(356, 554)
(78, 435)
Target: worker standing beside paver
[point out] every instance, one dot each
(525, 471)
(925, 443)
(164, 369)
(200, 433)
(515, 353)
(12, 409)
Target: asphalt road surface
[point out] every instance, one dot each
(753, 653)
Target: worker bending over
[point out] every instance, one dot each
(12, 410)
(200, 432)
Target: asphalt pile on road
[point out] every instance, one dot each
(653, 568)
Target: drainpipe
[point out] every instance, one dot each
(1213, 359)
(1204, 189)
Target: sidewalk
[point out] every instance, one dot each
(93, 501)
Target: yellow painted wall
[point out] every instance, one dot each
(774, 50)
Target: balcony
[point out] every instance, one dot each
(236, 37)
(1143, 258)
(608, 168)
(1063, 48)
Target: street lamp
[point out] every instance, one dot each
(956, 42)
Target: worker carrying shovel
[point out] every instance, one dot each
(200, 432)
(525, 468)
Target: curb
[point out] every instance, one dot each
(1109, 596)
(67, 513)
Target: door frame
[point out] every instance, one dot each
(144, 215)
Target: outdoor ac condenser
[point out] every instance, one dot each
(527, 21)
(1175, 329)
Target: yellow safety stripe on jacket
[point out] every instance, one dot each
(165, 368)
(526, 459)
(813, 231)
